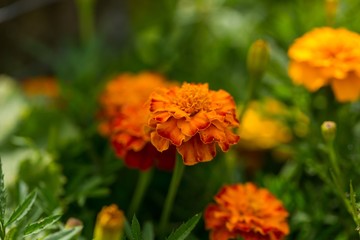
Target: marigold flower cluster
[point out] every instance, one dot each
(327, 56)
(194, 119)
(244, 210)
(124, 117)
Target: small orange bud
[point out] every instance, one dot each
(109, 223)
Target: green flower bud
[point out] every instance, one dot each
(257, 59)
(328, 130)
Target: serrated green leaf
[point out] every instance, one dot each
(148, 231)
(135, 229)
(22, 209)
(185, 229)
(127, 229)
(2, 195)
(64, 234)
(41, 224)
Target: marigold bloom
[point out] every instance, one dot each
(262, 126)
(327, 56)
(247, 211)
(41, 86)
(124, 118)
(194, 119)
(109, 223)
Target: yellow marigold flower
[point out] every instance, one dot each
(327, 56)
(109, 223)
(194, 119)
(124, 117)
(244, 210)
(41, 86)
(262, 126)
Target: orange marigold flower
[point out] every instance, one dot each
(263, 125)
(109, 223)
(246, 211)
(124, 117)
(327, 56)
(41, 86)
(192, 118)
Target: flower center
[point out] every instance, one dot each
(192, 98)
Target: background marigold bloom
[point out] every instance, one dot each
(247, 211)
(327, 56)
(124, 118)
(194, 119)
(41, 86)
(109, 223)
(263, 127)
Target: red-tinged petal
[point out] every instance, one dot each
(222, 234)
(142, 160)
(166, 159)
(170, 131)
(212, 134)
(161, 117)
(160, 143)
(230, 139)
(195, 151)
(191, 126)
(158, 102)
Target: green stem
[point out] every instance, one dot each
(175, 181)
(249, 97)
(86, 9)
(334, 163)
(142, 184)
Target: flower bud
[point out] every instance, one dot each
(109, 223)
(331, 7)
(257, 59)
(328, 130)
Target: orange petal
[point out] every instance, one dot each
(159, 142)
(347, 89)
(309, 76)
(195, 151)
(161, 117)
(230, 139)
(170, 131)
(191, 126)
(211, 134)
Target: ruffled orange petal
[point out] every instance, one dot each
(303, 73)
(191, 126)
(221, 234)
(170, 131)
(211, 134)
(195, 151)
(160, 143)
(347, 89)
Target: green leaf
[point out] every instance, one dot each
(64, 234)
(135, 229)
(127, 229)
(148, 231)
(2, 195)
(10, 235)
(22, 209)
(185, 229)
(41, 224)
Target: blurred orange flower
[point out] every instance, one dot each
(41, 86)
(243, 210)
(124, 117)
(194, 119)
(109, 223)
(327, 56)
(263, 127)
